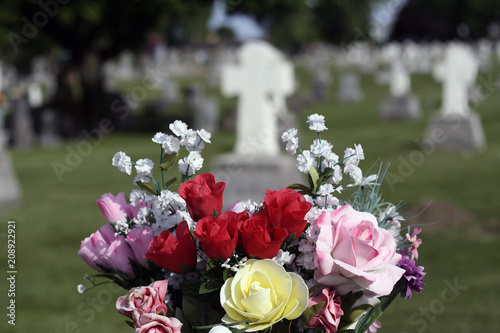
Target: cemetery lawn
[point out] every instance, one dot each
(462, 250)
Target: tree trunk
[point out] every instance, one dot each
(93, 95)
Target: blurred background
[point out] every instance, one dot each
(83, 79)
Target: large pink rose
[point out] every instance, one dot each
(114, 208)
(150, 299)
(103, 250)
(93, 248)
(153, 323)
(354, 253)
(139, 238)
(118, 256)
(329, 315)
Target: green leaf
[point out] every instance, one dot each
(170, 182)
(299, 187)
(147, 187)
(168, 161)
(210, 286)
(327, 173)
(313, 173)
(311, 312)
(186, 327)
(365, 322)
(194, 312)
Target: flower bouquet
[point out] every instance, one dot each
(307, 257)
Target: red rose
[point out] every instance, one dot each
(172, 253)
(202, 195)
(259, 239)
(218, 236)
(287, 209)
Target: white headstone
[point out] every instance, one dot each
(49, 136)
(35, 95)
(349, 88)
(261, 80)
(22, 124)
(10, 193)
(400, 79)
(457, 71)
(456, 126)
(207, 114)
(170, 92)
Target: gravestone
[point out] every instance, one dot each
(207, 114)
(49, 134)
(170, 92)
(10, 193)
(22, 131)
(349, 88)
(461, 128)
(35, 95)
(400, 104)
(262, 79)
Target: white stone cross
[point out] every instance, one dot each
(457, 72)
(400, 81)
(262, 80)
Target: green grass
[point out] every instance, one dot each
(55, 216)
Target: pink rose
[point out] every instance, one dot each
(114, 208)
(139, 300)
(153, 323)
(92, 248)
(354, 253)
(329, 315)
(103, 250)
(118, 256)
(139, 238)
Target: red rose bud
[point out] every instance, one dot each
(202, 195)
(173, 253)
(260, 240)
(218, 236)
(287, 209)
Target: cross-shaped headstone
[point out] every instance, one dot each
(261, 80)
(457, 72)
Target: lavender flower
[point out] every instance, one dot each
(412, 277)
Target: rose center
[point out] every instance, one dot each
(256, 287)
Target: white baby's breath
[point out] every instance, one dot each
(204, 135)
(122, 162)
(179, 128)
(159, 138)
(316, 123)
(136, 197)
(171, 144)
(144, 166)
(305, 161)
(191, 163)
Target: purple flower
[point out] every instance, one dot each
(412, 277)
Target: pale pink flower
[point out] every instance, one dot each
(138, 239)
(354, 253)
(114, 208)
(415, 242)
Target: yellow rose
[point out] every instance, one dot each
(263, 293)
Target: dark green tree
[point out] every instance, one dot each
(85, 33)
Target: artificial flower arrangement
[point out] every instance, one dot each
(301, 259)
